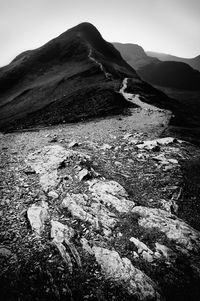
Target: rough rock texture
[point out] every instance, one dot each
(60, 232)
(175, 229)
(111, 194)
(123, 272)
(94, 212)
(46, 161)
(146, 252)
(63, 234)
(37, 215)
(151, 144)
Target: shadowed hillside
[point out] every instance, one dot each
(193, 62)
(74, 76)
(171, 74)
(134, 55)
(167, 74)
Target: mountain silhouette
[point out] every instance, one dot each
(193, 62)
(171, 74)
(74, 76)
(134, 55)
(168, 74)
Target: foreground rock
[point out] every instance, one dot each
(37, 215)
(46, 161)
(111, 193)
(90, 211)
(184, 237)
(121, 271)
(152, 144)
(63, 234)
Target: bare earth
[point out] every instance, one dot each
(91, 211)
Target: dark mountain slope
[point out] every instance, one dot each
(193, 62)
(171, 74)
(168, 74)
(75, 75)
(134, 55)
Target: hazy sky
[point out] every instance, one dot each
(170, 26)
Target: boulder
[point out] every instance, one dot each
(121, 271)
(184, 236)
(111, 193)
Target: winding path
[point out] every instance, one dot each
(134, 98)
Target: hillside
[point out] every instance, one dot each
(151, 69)
(171, 74)
(72, 77)
(134, 55)
(193, 62)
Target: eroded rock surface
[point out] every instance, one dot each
(176, 230)
(111, 194)
(37, 215)
(123, 272)
(46, 161)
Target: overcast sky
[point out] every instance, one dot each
(170, 26)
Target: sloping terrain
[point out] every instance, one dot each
(74, 76)
(171, 74)
(193, 62)
(167, 74)
(100, 210)
(134, 55)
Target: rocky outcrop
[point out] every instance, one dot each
(46, 162)
(124, 273)
(112, 194)
(62, 234)
(185, 238)
(37, 215)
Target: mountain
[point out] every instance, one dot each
(171, 74)
(72, 77)
(193, 62)
(134, 55)
(168, 74)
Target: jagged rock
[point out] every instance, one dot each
(63, 234)
(60, 232)
(86, 246)
(124, 273)
(163, 250)
(75, 204)
(46, 161)
(184, 236)
(143, 250)
(37, 215)
(111, 193)
(73, 144)
(83, 174)
(161, 159)
(93, 212)
(151, 144)
(106, 146)
(169, 205)
(53, 194)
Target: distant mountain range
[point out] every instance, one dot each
(74, 76)
(193, 62)
(168, 74)
(134, 55)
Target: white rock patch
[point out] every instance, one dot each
(37, 215)
(124, 273)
